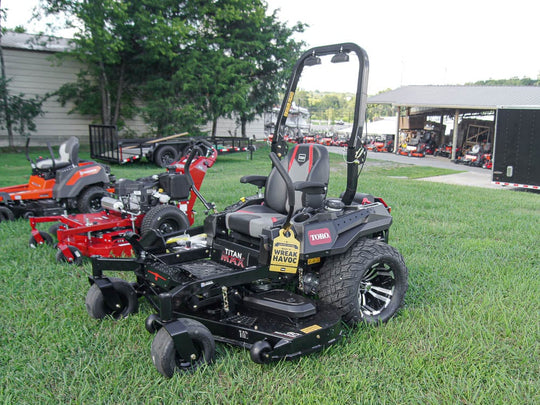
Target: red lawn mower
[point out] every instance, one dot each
(478, 156)
(58, 185)
(381, 144)
(163, 202)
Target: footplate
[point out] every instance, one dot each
(170, 275)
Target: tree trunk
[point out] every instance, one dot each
(119, 91)
(243, 123)
(214, 127)
(105, 96)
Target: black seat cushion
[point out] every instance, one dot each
(306, 162)
(253, 219)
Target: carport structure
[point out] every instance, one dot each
(423, 101)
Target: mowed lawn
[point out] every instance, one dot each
(469, 332)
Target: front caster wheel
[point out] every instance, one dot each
(77, 256)
(98, 308)
(152, 323)
(47, 240)
(166, 358)
(260, 352)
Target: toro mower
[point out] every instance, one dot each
(163, 202)
(57, 185)
(278, 271)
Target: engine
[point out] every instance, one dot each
(136, 196)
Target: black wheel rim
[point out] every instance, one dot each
(167, 158)
(95, 204)
(190, 364)
(117, 312)
(376, 289)
(168, 227)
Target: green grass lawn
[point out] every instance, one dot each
(469, 331)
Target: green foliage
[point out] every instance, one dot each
(189, 62)
(514, 81)
(334, 107)
(468, 333)
(120, 43)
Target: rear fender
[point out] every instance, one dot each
(324, 238)
(71, 182)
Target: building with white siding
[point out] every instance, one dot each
(33, 70)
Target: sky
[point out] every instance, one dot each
(413, 42)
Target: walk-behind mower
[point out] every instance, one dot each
(276, 273)
(58, 185)
(163, 202)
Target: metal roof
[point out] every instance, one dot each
(461, 97)
(15, 40)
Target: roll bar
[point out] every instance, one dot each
(355, 150)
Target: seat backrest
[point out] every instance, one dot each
(306, 162)
(69, 151)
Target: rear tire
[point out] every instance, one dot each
(165, 218)
(165, 156)
(90, 200)
(97, 308)
(366, 284)
(167, 360)
(6, 214)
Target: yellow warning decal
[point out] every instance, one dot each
(289, 103)
(311, 328)
(314, 260)
(285, 253)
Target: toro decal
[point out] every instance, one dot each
(319, 236)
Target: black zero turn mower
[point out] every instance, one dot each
(278, 272)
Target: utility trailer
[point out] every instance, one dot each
(105, 145)
(517, 142)
(231, 144)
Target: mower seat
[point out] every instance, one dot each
(69, 155)
(306, 163)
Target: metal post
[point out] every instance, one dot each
(455, 137)
(396, 137)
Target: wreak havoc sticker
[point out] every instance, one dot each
(285, 253)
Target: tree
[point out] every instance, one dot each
(514, 81)
(186, 61)
(118, 42)
(269, 51)
(234, 63)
